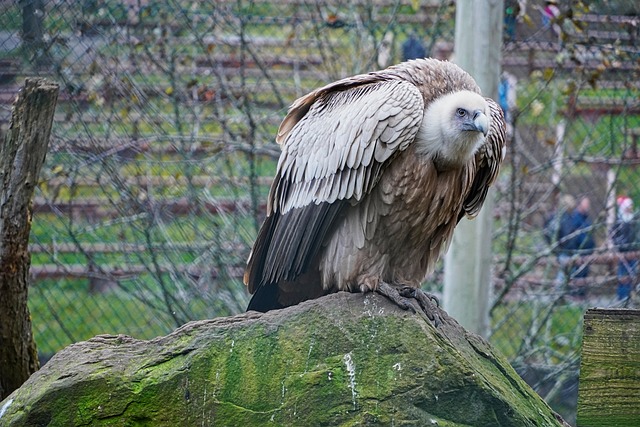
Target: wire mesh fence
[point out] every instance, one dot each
(162, 153)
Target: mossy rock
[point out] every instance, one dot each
(342, 360)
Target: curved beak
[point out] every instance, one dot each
(481, 122)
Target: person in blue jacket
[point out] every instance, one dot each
(573, 236)
(624, 236)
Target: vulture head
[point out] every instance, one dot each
(453, 128)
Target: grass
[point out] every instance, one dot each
(69, 313)
(66, 312)
(48, 229)
(520, 321)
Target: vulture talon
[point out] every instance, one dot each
(429, 298)
(430, 305)
(407, 297)
(394, 295)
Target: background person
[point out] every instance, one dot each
(571, 230)
(625, 239)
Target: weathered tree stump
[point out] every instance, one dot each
(21, 157)
(609, 391)
(345, 359)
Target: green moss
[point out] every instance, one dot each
(345, 363)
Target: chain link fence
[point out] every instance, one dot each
(162, 153)
(575, 123)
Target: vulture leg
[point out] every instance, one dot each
(408, 297)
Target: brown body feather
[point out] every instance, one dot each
(360, 195)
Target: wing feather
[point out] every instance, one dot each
(354, 139)
(335, 144)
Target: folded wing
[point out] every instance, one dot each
(336, 142)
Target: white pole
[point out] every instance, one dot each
(611, 203)
(558, 154)
(467, 272)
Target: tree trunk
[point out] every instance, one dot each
(21, 157)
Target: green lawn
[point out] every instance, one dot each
(547, 341)
(63, 316)
(65, 311)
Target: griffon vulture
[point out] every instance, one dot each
(375, 172)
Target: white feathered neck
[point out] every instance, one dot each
(439, 137)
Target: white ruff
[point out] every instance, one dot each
(439, 136)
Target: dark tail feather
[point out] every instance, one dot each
(265, 298)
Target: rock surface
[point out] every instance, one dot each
(342, 360)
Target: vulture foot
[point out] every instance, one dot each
(407, 297)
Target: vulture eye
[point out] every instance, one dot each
(460, 112)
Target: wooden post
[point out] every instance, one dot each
(21, 157)
(609, 391)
